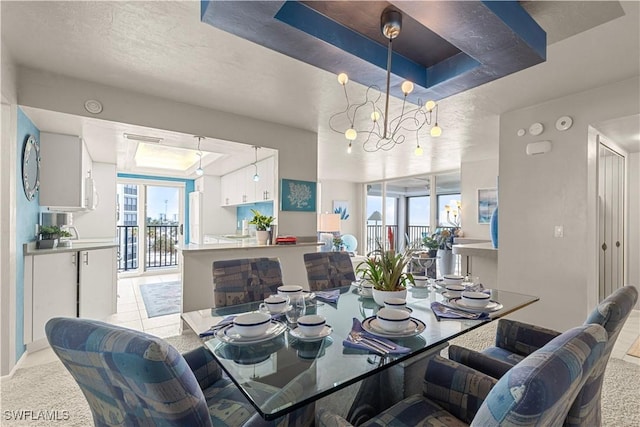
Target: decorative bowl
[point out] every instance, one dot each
(393, 320)
(476, 299)
(252, 324)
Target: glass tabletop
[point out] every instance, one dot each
(282, 374)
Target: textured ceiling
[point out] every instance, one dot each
(162, 48)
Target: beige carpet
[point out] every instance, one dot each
(635, 349)
(50, 388)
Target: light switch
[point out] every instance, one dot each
(558, 231)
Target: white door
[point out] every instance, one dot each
(611, 217)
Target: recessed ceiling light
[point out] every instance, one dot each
(143, 138)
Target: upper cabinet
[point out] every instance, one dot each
(65, 172)
(239, 188)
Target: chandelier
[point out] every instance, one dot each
(384, 132)
(199, 171)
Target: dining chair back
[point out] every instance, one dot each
(538, 391)
(131, 378)
(239, 281)
(515, 340)
(327, 270)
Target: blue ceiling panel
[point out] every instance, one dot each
(485, 40)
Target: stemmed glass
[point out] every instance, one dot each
(297, 309)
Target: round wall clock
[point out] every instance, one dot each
(31, 167)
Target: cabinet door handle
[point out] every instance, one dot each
(73, 259)
(86, 258)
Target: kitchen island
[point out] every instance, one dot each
(197, 266)
(479, 259)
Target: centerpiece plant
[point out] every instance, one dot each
(386, 270)
(262, 222)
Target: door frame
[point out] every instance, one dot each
(142, 184)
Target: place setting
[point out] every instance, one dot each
(366, 338)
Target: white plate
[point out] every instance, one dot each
(416, 327)
(447, 295)
(459, 303)
(229, 335)
(326, 331)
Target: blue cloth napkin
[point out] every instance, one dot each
(442, 311)
(357, 327)
(215, 328)
(328, 296)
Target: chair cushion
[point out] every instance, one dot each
(415, 411)
(238, 281)
(327, 270)
(503, 355)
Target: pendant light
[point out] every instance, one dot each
(256, 176)
(199, 171)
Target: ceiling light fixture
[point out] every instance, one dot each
(256, 177)
(199, 171)
(393, 130)
(142, 138)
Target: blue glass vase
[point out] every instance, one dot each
(493, 227)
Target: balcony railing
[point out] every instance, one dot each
(160, 244)
(417, 232)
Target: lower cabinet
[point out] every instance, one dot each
(68, 284)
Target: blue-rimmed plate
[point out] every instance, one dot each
(415, 327)
(229, 335)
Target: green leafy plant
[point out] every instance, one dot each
(262, 222)
(431, 242)
(338, 243)
(386, 268)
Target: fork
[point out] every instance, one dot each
(375, 340)
(355, 338)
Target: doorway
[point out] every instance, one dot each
(150, 222)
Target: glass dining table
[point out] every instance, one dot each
(298, 372)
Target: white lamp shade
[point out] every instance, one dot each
(329, 223)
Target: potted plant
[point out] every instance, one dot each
(432, 244)
(338, 244)
(385, 269)
(446, 261)
(263, 226)
(49, 236)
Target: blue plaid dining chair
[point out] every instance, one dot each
(538, 391)
(131, 378)
(515, 340)
(327, 270)
(237, 281)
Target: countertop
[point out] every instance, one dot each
(476, 249)
(30, 248)
(242, 244)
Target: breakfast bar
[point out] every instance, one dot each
(197, 261)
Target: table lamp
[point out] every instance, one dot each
(328, 228)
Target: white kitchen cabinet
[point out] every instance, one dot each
(97, 283)
(65, 164)
(68, 284)
(55, 290)
(239, 188)
(265, 187)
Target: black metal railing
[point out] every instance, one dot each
(417, 232)
(127, 247)
(161, 246)
(377, 233)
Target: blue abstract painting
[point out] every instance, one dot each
(297, 195)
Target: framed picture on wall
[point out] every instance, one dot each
(341, 207)
(487, 202)
(297, 195)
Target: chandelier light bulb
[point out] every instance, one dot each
(349, 148)
(199, 171)
(375, 116)
(343, 79)
(436, 131)
(407, 87)
(430, 105)
(256, 177)
(419, 150)
(351, 134)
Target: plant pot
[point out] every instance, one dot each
(46, 243)
(262, 237)
(380, 296)
(446, 261)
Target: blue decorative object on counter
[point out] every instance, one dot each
(493, 228)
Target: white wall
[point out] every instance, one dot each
(557, 188)
(351, 192)
(8, 154)
(633, 233)
(475, 175)
(297, 149)
(101, 222)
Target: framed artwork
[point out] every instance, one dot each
(297, 195)
(341, 207)
(487, 202)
